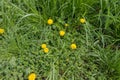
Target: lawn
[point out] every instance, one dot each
(59, 39)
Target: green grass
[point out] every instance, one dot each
(97, 56)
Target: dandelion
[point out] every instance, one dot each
(46, 50)
(62, 33)
(2, 31)
(82, 20)
(73, 46)
(43, 46)
(50, 21)
(66, 25)
(32, 76)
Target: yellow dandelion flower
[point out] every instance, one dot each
(66, 25)
(43, 46)
(32, 76)
(82, 20)
(73, 46)
(50, 21)
(2, 31)
(46, 50)
(62, 33)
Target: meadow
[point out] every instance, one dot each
(59, 39)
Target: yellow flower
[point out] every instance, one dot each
(62, 33)
(43, 46)
(66, 25)
(82, 20)
(2, 31)
(73, 46)
(50, 21)
(32, 76)
(46, 50)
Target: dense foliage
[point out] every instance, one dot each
(60, 39)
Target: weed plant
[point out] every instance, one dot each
(74, 49)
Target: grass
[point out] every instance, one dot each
(96, 57)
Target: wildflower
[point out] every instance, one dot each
(66, 25)
(1, 31)
(43, 46)
(50, 21)
(32, 76)
(46, 50)
(62, 33)
(73, 46)
(82, 20)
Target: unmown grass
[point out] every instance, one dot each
(95, 57)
